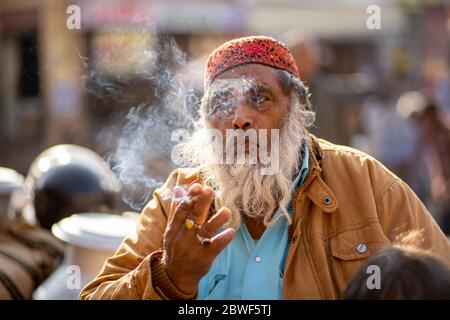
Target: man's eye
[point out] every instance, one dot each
(221, 107)
(258, 99)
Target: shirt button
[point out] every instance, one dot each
(361, 248)
(258, 259)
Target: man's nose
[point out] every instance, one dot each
(242, 117)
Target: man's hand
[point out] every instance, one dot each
(186, 259)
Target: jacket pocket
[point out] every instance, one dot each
(351, 247)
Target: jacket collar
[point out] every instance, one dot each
(314, 186)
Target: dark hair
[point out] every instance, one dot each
(405, 273)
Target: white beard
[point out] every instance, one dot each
(241, 187)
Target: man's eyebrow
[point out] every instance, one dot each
(220, 92)
(260, 87)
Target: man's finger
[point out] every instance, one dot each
(220, 241)
(213, 225)
(201, 206)
(184, 208)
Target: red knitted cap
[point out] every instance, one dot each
(255, 49)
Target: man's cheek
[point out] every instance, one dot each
(219, 124)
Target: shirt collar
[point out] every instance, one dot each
(304, 168)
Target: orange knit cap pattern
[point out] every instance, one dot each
(255, 49)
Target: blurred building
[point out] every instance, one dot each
(44, 97)
(41, 99)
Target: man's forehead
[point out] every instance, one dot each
(242, 84)
(247, 77)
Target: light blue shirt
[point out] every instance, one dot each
(246, 270)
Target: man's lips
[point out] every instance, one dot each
(246, 146)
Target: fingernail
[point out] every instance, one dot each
(196, 188)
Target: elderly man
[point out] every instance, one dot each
(232, 230)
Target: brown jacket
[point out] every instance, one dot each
(347, 199)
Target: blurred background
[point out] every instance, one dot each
(91, 92)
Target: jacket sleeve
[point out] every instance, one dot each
(401, 211)
(127, 274)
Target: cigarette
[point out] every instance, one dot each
(188, 200)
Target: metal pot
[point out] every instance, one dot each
(91, 239)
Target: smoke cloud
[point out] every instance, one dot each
(143, 143)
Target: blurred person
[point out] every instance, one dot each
(436, 81)
(406, 273)
(28, 253)
(306, 52)
(324, 97)
(435, 143)
(226, 231)
(62, 180)
(391, 139)
(442, 94)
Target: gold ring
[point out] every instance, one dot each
(203, 241)
(189, 224)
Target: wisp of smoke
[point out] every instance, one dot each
(141, 155)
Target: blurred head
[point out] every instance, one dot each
(254, 100)
(305, 51)
(406, 273)
(418, 107)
